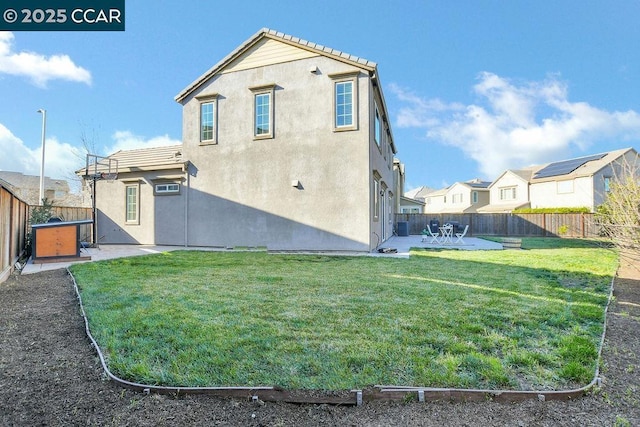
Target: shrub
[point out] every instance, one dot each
(553, 210)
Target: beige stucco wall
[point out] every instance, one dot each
(577, 192)
(434, 203)
(242, 192)
(161, 218)
(587, 191)
(443, 202)
(509, 180)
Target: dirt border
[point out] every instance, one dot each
(50, 375)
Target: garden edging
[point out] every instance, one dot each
(356, 397)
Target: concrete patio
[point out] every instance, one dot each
(404, 243)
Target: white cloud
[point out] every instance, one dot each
(38, 68)
(515, 124)
(126, 140)
(61, 159)
(16, 156)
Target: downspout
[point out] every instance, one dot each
(186, 204)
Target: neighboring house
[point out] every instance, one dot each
(413, 201)
(404, 204)
(580, 182)
(436, 201)
(27, 188)
(408, 205)
(461, 197)
(286, 144)
(419, 193)
(510, 191)
(467, 197)
(573, 183)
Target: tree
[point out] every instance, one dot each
(41, 214)
(620, 213)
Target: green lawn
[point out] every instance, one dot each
(529, 319)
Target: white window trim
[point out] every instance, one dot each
(135, 221)
(512, 190)
(159, 191)
(376, 199)
(350, 76)
(377, 127)
(208, 99)
(565, 187)
(264, 90)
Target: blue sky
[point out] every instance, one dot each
(472, 87)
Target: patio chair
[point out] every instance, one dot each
(432, 235)
(461, 235)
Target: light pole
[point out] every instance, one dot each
(44, 129)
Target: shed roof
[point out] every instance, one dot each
(144, 158)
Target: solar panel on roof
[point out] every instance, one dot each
(566, 166)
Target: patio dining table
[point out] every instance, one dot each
(446, 232)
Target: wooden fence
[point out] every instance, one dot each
(506, 224)
(14, 214)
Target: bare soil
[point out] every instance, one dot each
(51, 376)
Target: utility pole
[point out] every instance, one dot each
(44, 130)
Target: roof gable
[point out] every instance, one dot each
(522, 174)
(267, 51)
(272, 47)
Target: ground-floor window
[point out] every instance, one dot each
(132, 204)
(168, 188)
(376, 200)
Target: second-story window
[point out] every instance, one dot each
(344, 104)
(206, 121)
(508, 193)
(208, 118)
(378, 128)
(263, 114)
(345, 100)
(263, 111)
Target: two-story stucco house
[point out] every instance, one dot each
(286, 144)
(579, 182)
(460, 197)
(573, 183)
(509, 191)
